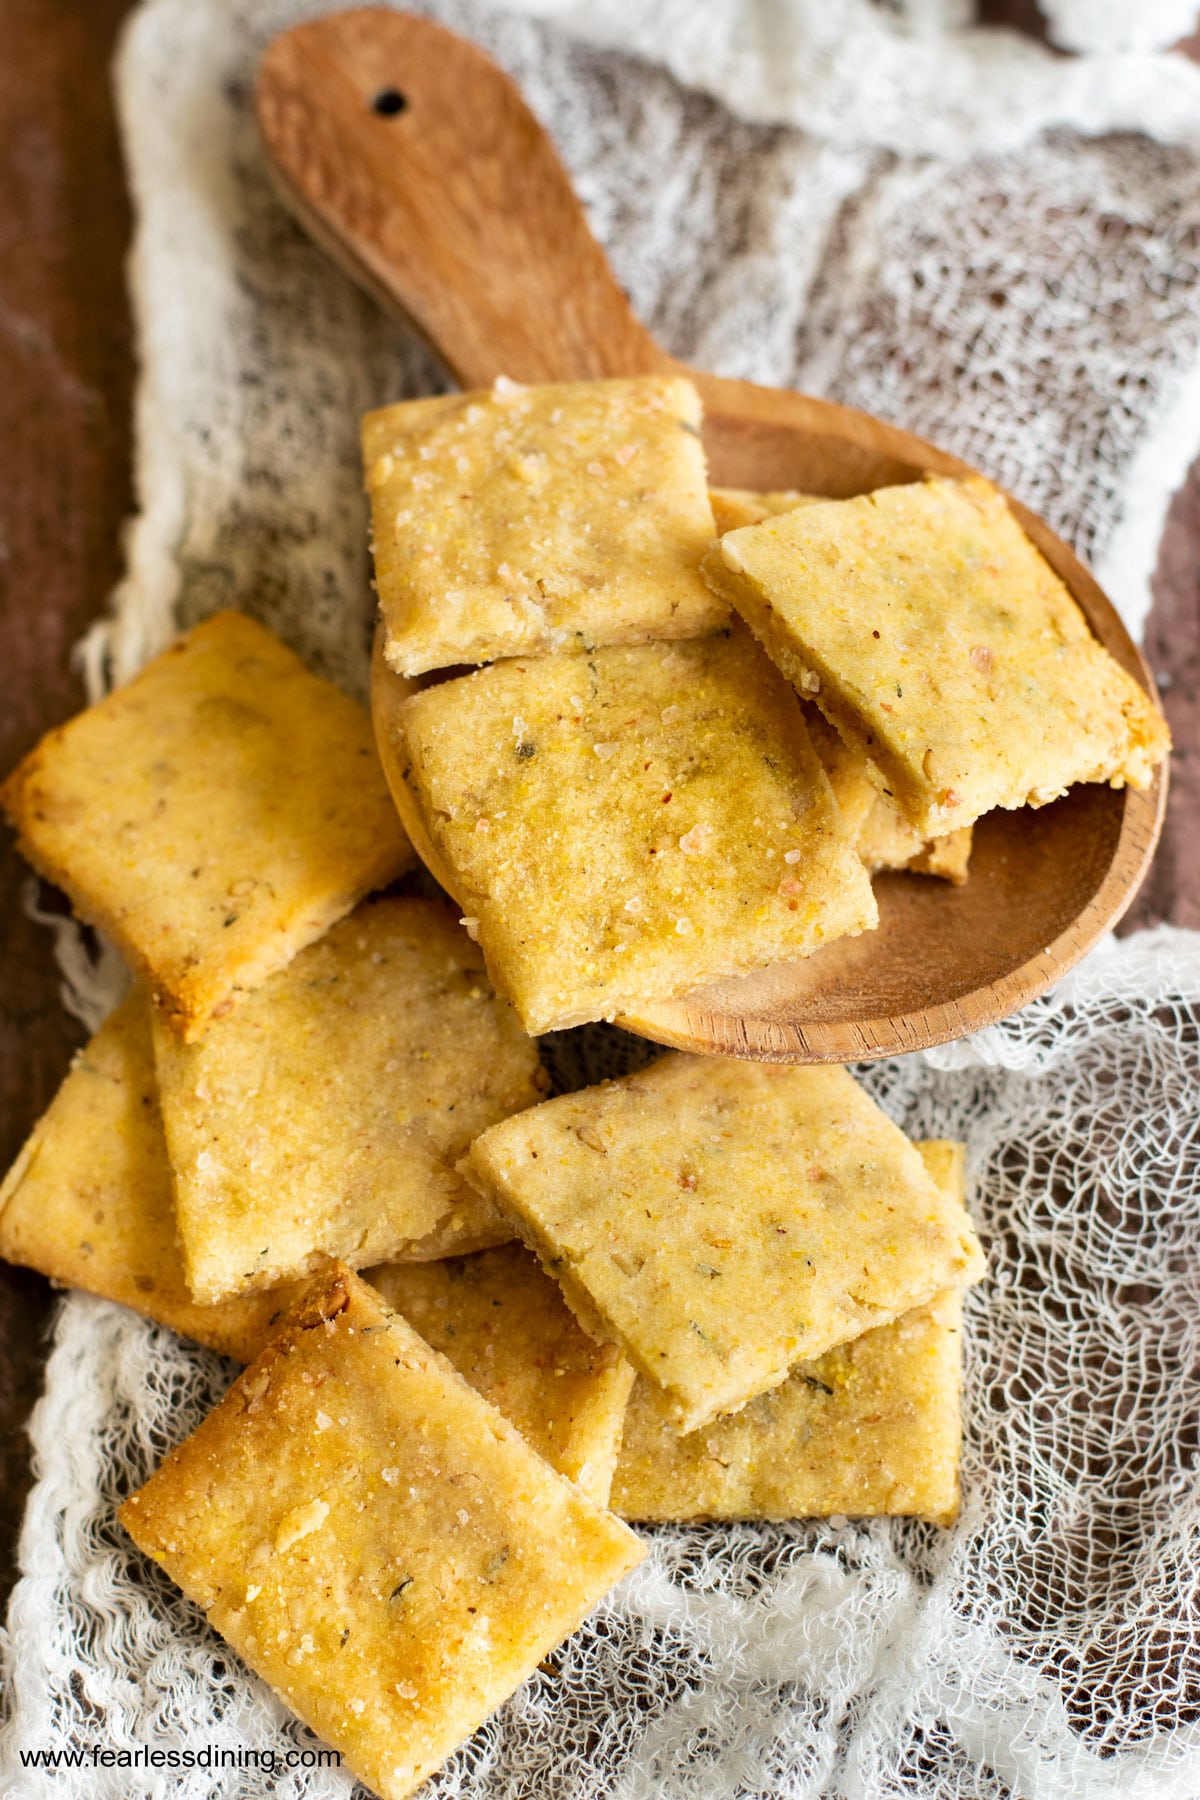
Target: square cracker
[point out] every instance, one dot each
(505, 1327)
(627, 826)
(941, 645)
(522, 519)
(885, 839)
(213, 816)
(723, 1220)
(374, 1539)
(871, 1427)
(325, 1116)
(88, 1201)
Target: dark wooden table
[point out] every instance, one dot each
(66, 373)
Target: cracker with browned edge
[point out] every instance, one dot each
(515, 520)
(88, 1201)
(626, 826)
(324, 1118)
(848, 770)
(871, 1427)
(505, 1327)
(374, 1539)
(941, 644)
(723, 1220)
(213, 816)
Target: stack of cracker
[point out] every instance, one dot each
(403, 1505)
(484, 1328)
(626, 804)
(644, 791)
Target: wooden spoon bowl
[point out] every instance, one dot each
(413, 159)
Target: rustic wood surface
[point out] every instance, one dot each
(66, 371)
(66, 374)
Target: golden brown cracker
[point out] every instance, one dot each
(505, 1327)
(374, 1539)
(724, 1220)
(324, 1118)
(213, 816)
(516, 520)
(932, 634)
(871, 1427)
(734, 507)
(887, 841)
(627, 826)
(89, 1202)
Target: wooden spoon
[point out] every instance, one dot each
(414, 160)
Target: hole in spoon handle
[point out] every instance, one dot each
(389, 103)
(415, 161)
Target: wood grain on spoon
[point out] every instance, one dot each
(414, 160)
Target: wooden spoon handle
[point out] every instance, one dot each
(414, 160)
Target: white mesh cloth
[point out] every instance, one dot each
(1046, 1647)
(1035, 304)
(915, 76)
